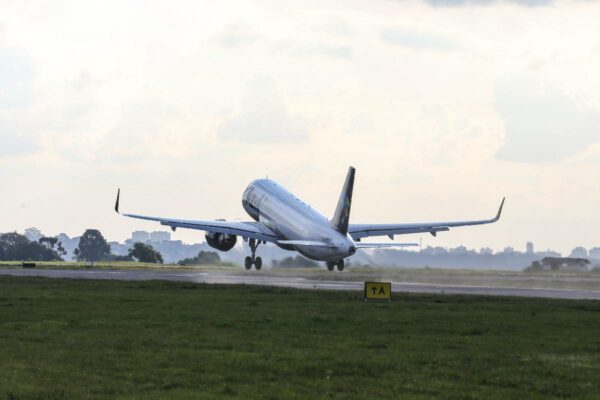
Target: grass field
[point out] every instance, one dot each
(154, 340)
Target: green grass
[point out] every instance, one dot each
(155, 340)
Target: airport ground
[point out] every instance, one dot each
(67, 338)
(560, 284)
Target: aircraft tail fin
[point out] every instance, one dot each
(342, 211)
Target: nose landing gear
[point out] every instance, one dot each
(253, 260)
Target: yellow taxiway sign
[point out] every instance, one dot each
(378, 290)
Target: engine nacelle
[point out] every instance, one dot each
(221, 241)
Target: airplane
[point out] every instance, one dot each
(281, 218)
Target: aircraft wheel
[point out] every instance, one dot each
(330, 265)
(258, 263)
(340, 265)
(248, 262)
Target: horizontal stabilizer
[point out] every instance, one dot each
(305, 243)
(382, 245)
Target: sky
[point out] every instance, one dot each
(443, 106)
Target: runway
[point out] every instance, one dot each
(260, 278)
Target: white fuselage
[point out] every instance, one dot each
(273, 206)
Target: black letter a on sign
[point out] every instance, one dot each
(381, 290)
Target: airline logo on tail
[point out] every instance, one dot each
(346, 212)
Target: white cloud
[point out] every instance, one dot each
(332, 25)
(341, 52)
(263, 118)
(13, 144)
(590, 155)
(454, 3)
(237, 35)
(542, 124)
(400, 36)
(16, 75)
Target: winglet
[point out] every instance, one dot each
(500, 210)
(117, 202)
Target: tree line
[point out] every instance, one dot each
(92, 247)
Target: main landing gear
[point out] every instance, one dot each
(250, 260)
(331, 265)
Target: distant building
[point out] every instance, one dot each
(33, 234)
(69, 244)
(160, 236)
(140, 236)
(579, 252)
(118, 248)
(530, 248)
(559, 264)
(548, 253)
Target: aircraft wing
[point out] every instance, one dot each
(358, 231)
(251, 230)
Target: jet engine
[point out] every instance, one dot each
(221, 241)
